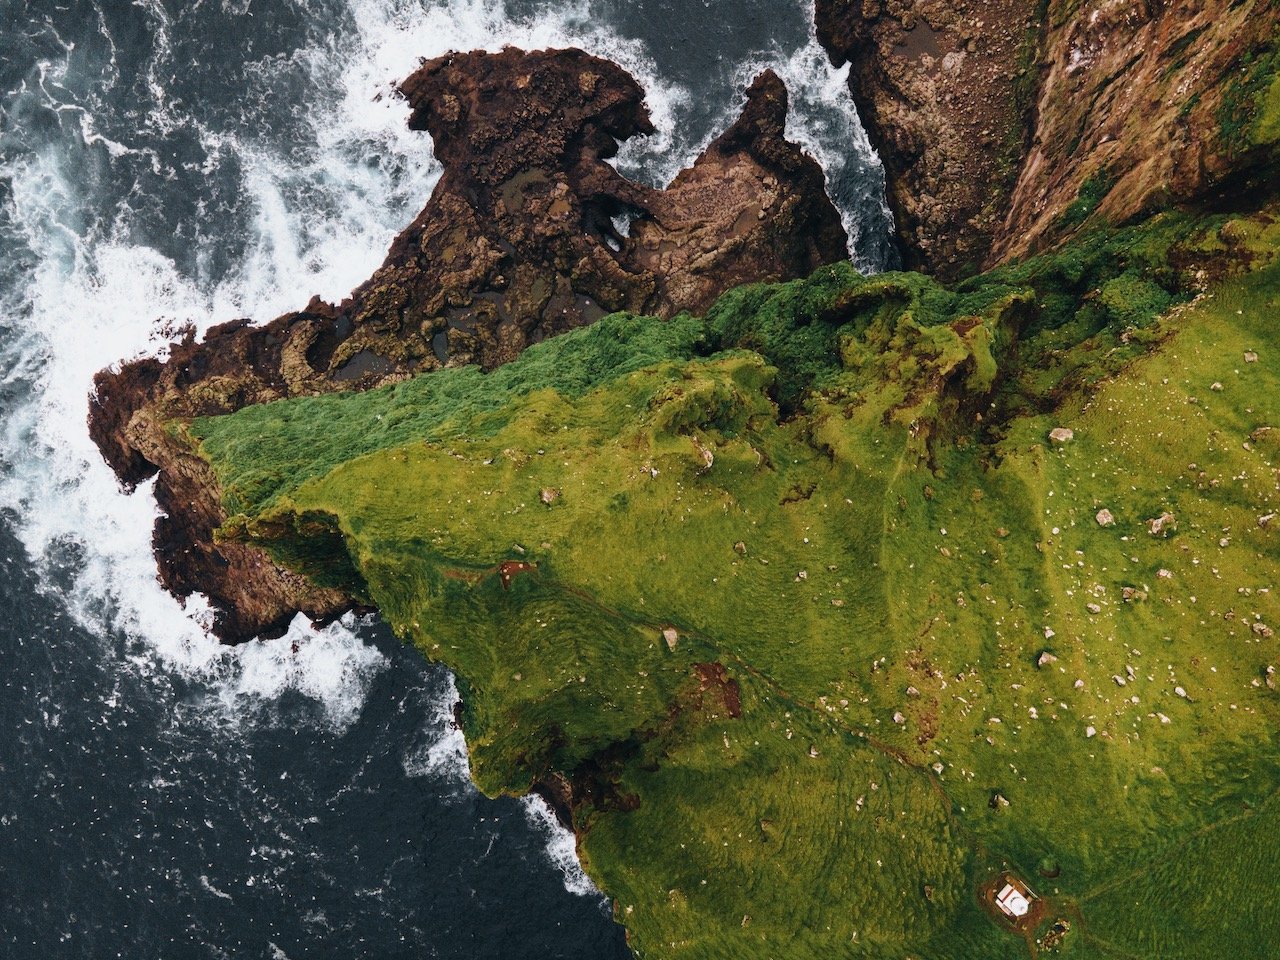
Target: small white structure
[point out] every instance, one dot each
(1012, 902)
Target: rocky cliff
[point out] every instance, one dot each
(516, 244)
(1006, 125)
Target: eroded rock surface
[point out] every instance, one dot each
(1142, 105)
(942, 91)
(1006, 125)
(516, 244)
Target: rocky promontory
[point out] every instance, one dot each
(517, 243)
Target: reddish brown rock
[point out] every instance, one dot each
(1134, 114)
(942, 91)
(753, 207)
(1006, 125)
(515, 245)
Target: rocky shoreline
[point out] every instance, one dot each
(516, 244)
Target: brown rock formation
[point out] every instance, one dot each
(752, 207)
(1134, 114)
(940, 88)
(515, 245)
(1004, 125)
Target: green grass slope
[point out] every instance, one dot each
(771, 590)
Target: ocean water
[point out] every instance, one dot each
(167, 164)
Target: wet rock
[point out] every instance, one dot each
(941, 111)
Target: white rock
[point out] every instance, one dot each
(1105, 518)
(1090, 731)
(1062, 435)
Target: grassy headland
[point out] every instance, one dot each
(820, 624)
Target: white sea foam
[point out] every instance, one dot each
(441, 752)
(561, 846)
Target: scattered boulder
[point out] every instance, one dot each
(1060, 435)
(672, 637)
(1105, 518)
(1046, 659)
(1162, 525)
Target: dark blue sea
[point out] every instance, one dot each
(166, 163)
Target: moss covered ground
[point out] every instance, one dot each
(821, 626)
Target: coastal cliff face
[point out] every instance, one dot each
(1006, 125)
(516, 244)
(1142, 106)
(943, 91)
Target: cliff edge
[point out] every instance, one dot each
(1007, 125)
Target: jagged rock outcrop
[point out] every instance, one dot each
(516, 244)
(752, 206)
(1005, 125)
(942, 91)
